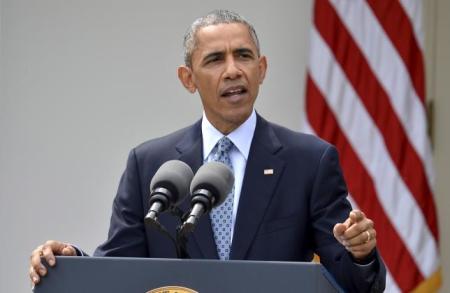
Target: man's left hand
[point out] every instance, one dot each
(357, 234)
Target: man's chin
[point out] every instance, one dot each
(237, 118)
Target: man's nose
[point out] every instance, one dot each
(232, 70)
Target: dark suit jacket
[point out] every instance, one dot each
(286, 216)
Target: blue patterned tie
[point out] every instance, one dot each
(221, 216)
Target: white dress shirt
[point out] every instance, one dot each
(242, 139)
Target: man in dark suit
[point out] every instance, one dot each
(289, 198)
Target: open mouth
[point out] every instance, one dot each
(234, 91)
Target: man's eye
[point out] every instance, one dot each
(212, 60)
(245, 56)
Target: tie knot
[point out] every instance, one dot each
(221, 151)
(224, 145)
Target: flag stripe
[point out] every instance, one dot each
(413, 8)
(378, 105)
(362, 189)
(398, 27)
(365, 94)
(391, 73)
(368, 144)
(391, 285)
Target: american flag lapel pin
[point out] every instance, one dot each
(268, 171)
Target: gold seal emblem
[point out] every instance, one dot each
(172, 289)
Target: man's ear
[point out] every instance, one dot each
(262, 68)
(185, 76)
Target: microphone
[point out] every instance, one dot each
(209, 188)
(168, 187)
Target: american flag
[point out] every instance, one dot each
(366, 95)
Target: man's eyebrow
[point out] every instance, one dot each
(244, 51)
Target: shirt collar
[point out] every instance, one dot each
(241, 136)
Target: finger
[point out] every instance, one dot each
(47, 252)
(35, 278)
(52, 248)
(348, 223)
(362, 238)
(356, 229)
(339, 229)
(61, 248)
(368, 246)
(357, 216)
(68, 250)
(36, 263)
(362, 250)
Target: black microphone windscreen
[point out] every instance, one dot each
(174, 175)
(214, 175)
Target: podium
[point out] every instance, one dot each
(140, 275)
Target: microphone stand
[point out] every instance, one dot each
(180, 241)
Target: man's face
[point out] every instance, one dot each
(227, 72)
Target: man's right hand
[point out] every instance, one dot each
(47, 251)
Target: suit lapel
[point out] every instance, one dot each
(258, 188)
(191, 150)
